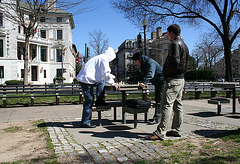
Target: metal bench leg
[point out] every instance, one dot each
(4, 102)
(32, 100)
(99, 118)
(57, 99)
(218, 108)
(135, 120)
(124, 118)
(114, 113)
(145, 117)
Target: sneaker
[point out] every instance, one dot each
(88, 126)
(152, 122)
(173, 134)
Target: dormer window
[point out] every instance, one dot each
(43, 33)
(59, 19)
(42, 19)
(1, 19)
(59, 35)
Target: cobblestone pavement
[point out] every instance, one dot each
(119, 150)
(115, 151)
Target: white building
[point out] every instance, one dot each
(45, 55)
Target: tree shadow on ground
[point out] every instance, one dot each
(217, 133)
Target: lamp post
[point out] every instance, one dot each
(144, 24)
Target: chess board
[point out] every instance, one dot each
(123, 87)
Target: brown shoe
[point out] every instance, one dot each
(153, 137)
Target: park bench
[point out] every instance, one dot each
(33, 91)
(100, 109)
(218, 101)
(134, 111)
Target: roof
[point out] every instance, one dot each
(49, 11)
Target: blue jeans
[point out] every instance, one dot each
(87, 90)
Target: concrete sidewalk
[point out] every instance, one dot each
(114, 142)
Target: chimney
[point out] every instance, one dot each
(51, 3)
(159, 32)
(153, 35)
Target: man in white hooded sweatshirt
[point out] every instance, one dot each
(96, 72)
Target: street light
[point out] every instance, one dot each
(144, 24)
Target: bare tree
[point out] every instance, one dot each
(208, 49)
(197, 56)
(98, 41)
(27, 13)
(222, 15)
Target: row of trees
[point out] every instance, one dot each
(222, 15)
(208, 50)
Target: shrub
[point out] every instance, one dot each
(203, 75)
(75, 81)
(59, 78)
(14, 82)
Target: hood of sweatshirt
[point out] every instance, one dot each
(109, 54)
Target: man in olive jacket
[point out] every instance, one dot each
(151, 72)
(173, 71)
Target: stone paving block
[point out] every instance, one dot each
(95, 155)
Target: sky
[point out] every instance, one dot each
(115, 27)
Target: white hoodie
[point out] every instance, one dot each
(97, 69)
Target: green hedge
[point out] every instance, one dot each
(14, 82)
(202, 75)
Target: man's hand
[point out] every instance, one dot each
(115, 80)
(142, 85)
(116, 86)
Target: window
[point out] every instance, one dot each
(1, 71)
(1, 19)
(30, 17)
(59, 34)
(59, 19)
(44, 74)
(19, 53)
(59, 72)
(43, 54)
(22, 73)
(1, 48)
(34, 73)
(24, 30)
(33, 53)
(23, 53)
(19, 29)
(43, 33)
(59, 55)
(42, 19)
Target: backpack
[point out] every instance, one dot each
(138, 103)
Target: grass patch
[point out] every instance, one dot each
(233, 135)
(167, 142)
(26, 101)
(41, 125)
(12, 129)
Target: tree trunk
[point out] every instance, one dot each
(228, 62)
(26, 60)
